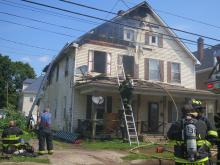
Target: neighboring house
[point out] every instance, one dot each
(28, 95)
(207, 58)
(161, 66)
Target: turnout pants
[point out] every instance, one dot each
(45, 135)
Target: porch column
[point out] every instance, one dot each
(138, 114)
(164, 109)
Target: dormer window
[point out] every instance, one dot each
(129, 34)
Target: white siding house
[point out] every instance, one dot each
(162, 67)
(28, 95)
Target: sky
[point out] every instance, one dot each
(38, 43)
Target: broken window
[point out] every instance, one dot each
(99, 62)
(128, 63)
(129, 34)
(154, 69)
(175, 72)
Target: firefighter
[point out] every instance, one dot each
(126, 89)
(190, 136)
(11, 137)
(212, 134)
(217, 125)
(45, 132)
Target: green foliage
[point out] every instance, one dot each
(27, 159)
(12, 75)
(12, 114)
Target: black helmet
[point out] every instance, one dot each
(187, 108)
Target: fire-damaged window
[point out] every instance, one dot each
(129, 34)
(99, 61)
(128, 64)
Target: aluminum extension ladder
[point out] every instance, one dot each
(39, 92)
(127, 112)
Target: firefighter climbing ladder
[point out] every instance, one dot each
(128, 112)
(40, 90)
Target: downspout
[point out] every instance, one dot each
(73, 85)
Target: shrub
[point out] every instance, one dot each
(12, 114)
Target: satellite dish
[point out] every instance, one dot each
(82, 70)
(97, 99)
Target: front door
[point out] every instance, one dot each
(153, 117)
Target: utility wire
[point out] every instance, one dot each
(168, 27)
(59, 14)
(37, 28)
(124, 3)
(53, 13)
(182, 17)
(36, 20)
(27, 45)
(102, 19)
(22, 53)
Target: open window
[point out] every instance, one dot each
(99, 62)
(128, 63)
(154, 39)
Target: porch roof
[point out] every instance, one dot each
(143, 87)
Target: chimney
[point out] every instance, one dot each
(200, 48)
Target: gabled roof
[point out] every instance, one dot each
(34, 86)
(28, 81)
(144, 4)
(208, 59)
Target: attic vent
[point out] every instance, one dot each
(120, 12)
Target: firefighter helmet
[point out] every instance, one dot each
(197, 105)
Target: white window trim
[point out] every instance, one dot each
(125, 34)
(156, 38)
(174, 80)
(154, 70)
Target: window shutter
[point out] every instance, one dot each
(136, 71)
(109, 104)
(146, 68)
(169, 72)
(108, 64)
(160, 42)
(120, 62)
(147, 38)
(90, 61)
(161, 70)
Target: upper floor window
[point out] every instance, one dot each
(175, 72)
(99, 62)
(66, 66)
(57, 73)
(154, 69)
(154, 39)
(129, 34)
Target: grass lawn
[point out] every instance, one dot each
(27, 159)
(148, 150)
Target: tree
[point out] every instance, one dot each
(12, 75)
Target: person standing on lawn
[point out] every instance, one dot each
(45, 132)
